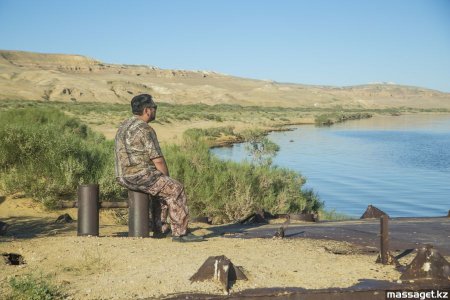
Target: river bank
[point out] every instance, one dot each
(397, 163)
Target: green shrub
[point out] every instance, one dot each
(330, 119)
(213, 117)
(47, 155)
(228, 191)
(209, 133)
(30, 287)
(334, 216)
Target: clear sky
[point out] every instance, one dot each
(345, 42)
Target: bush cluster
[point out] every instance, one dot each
(47, 155)
(228, 191)
(332, 118)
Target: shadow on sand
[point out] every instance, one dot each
(29, 227)
(229, 230)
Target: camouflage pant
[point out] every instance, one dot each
(158, 216)
(169, 198)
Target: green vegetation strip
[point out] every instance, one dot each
(332, 118)
(46, 155)
(88, 111)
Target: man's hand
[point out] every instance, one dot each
(160, 164)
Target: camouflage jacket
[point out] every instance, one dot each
(135, 146)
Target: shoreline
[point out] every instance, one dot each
(406, 121)
(282, 127)
(231, 140)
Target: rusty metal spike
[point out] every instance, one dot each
(373, 212)
(428, 264)
(221, 272)
(206, 271)
(221, 269)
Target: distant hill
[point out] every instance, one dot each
(62, 77)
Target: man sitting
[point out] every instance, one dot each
(140, 166)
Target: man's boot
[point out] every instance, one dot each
(187, 238)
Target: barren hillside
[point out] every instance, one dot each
(35, 76)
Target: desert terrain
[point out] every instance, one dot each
(75, 78)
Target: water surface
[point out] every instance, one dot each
(399, 164)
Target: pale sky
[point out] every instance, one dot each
(339, 43)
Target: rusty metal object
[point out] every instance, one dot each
(385, 257)
(219, 268)
(88, 205)
(384, 239)
(448, 215)
(138, 214)
(3, 228)
(428, 264)
(373, 212)
(63, 219)
(13, 259)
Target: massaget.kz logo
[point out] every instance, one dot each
(422, 295)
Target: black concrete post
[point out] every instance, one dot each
(88, 205)
(138, 214)
(384, 239)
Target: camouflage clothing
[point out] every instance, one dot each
(136, 145)
(173, 200)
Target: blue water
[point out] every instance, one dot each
(399, 164)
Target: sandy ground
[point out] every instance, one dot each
(114, 266)
(173, 132)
